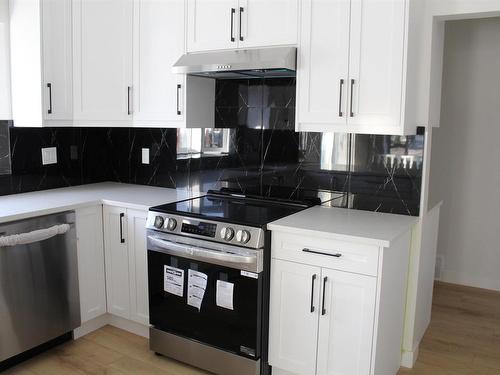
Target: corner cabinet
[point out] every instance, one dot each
(91, 273)
(336, 307)
(354, 71)
(126, 263)
(41, 62)
(228, 24)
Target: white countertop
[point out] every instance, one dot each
(349, 225)
(21, 206)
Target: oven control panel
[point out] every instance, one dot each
(198, 228)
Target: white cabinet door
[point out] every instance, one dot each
(117, 261)
(103, 61)
(376, 64)
(346, 323)
(212, 24)
(159, 41)
(323, 60)
(293, 325)
(57, 61)
(91, 274)
(267, 23)
(138, 266)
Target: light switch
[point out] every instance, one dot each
(49, 155)
(145, 156)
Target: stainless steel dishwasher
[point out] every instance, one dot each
(39, 298)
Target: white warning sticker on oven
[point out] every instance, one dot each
(173, 281)
(250, 274)
(197, 284)
(224, 297)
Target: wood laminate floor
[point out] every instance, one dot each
(463, 339)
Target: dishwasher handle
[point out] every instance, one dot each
(34, 236)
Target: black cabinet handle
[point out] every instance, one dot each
(49, 86)
(122, 240)
(241, 11)
(336, 255)
(323, 310)
(352, 90)
(178, 99)
(341, 114)
(129, 89)
(312, 291)
(232, 23)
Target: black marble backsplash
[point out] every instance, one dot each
(264, 155)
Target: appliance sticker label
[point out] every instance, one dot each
(250, 274)
(173, 281)
(197, 284)
(224, 297)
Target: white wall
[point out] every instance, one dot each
(5, 105)
(465, 167)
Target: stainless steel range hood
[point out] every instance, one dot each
(233, 64)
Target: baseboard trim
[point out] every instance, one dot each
(408, 358)
(113, 320)
(91, 326)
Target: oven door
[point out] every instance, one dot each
(227, 313)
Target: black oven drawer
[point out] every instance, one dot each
(237, 330)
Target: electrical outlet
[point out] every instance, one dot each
(49, 155)
(145, 156)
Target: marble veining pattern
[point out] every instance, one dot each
(265, 156)
(4, 148)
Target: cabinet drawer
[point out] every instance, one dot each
(323, 252)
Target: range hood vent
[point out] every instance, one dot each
(237, 64)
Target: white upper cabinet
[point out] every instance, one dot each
(353, 67)
(103, 62)
(323, 63)
(267, 23)
(41, 66)
(376, 64)
(57, 62)
(228, 24)
(211, 24)
(159, 29)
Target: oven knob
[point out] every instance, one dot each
(158, 222)
(171, 223)
(243, 236)
(227, 233)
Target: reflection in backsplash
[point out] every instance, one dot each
(4, 148)
(254, 149)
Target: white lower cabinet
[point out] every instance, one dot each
(321, 320)
(346, 323)
(90, 250)
(126, 263)
(336, 307)
(138, 266)
(294, 316)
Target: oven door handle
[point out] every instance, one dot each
(190, 251)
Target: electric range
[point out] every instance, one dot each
(208, 271)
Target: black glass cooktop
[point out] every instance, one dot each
(237, 210)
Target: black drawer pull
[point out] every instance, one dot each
(336, 255)
(323, 310)
(312, 292)
(122, 240)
